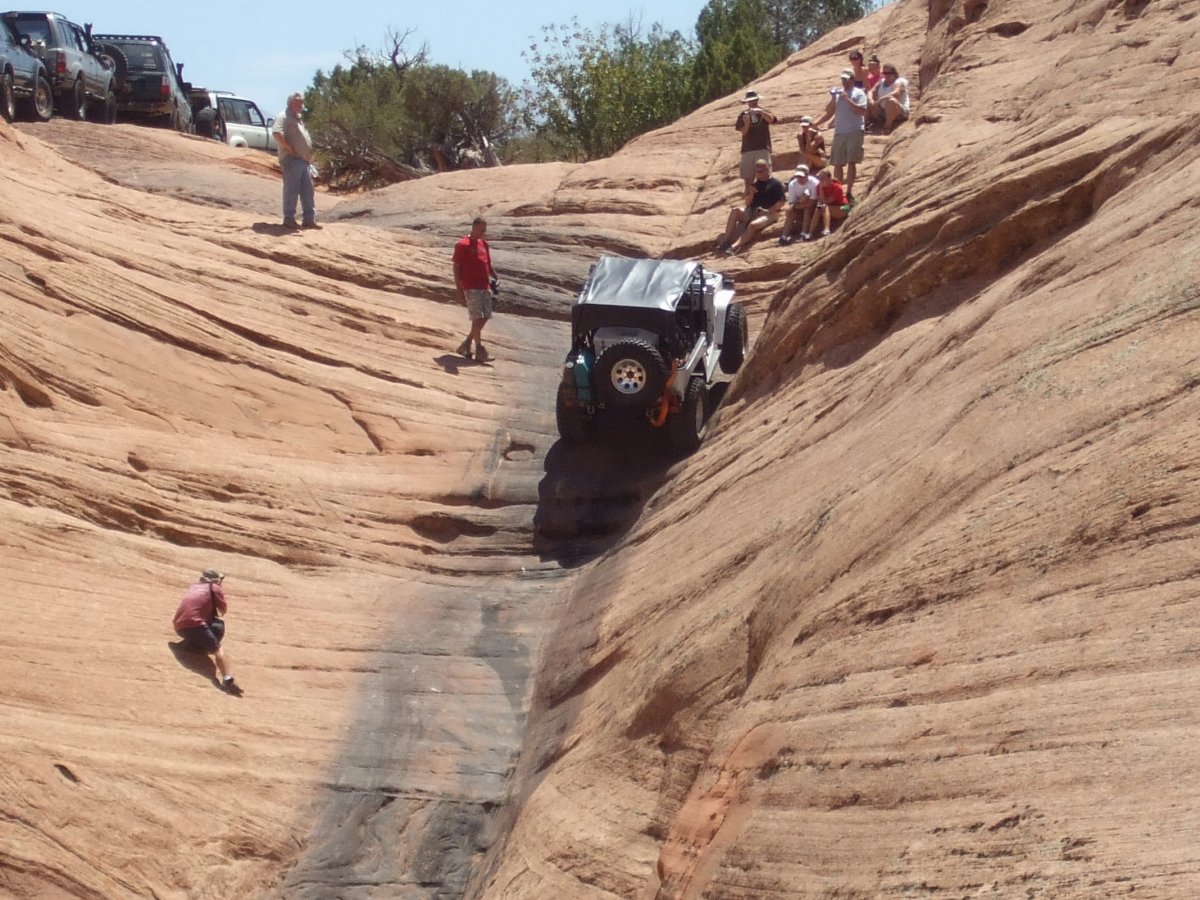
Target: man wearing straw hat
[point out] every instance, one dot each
(754, 125)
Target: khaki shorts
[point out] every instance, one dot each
(847, 148)
(749, 158)
(479, 304)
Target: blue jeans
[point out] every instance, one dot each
(297, 183)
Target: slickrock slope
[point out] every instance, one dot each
(920, 620)
(915, 621)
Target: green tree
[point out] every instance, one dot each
(736, 45)
(591, 92)
(795, 24)
(389, 116)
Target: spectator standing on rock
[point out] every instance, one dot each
(295, 159)
(475, 280)
(754, 125)
(765, 199)
(198, 621)
(888, 104)
(861, 74)
(848, 109)
(812, 145)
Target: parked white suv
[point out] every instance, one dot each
(233, 120)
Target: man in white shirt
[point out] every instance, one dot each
(801, 201)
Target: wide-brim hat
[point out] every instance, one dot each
(212, 575)
(751, 95)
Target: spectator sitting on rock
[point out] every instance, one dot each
(873, 74)
(888, 104)
(754, 125)
(832, 205)
(765, 199)
(847, 107)
(812, 145)
(801, 201)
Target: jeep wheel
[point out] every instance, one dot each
(78, 99)
(574, 425)
(40, 106)
(736, 339)
(687, 427)
(8, 98)
(629, 374)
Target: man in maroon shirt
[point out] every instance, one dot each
(198, 621)
(475, 280)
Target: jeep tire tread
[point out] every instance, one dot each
(736, 339)
(687, 427)
(574, 425)
(630, 374)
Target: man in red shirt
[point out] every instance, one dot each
(198, 621)
(475, 280)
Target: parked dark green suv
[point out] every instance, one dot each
(148, 84)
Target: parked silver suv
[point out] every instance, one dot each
(81, 77)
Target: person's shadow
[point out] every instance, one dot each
(275, 229)
(199, 662)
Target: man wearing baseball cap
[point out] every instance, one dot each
(754, 125)
(801, 201)
(812, 145)
(198, 621)
(847, 108)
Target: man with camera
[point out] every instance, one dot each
(754, 125)
(847, 108)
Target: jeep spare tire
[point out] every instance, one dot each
(630, 374)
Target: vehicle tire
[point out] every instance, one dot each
(108, 111)
(120, 64)
(736, 339)
(574, 425)
(8, 98)
(40, 106)
(206, 122)
(687, 427)
(630, 374)
(78, 101)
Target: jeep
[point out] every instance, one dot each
(651, 340)
(147, 82)
(81, 77)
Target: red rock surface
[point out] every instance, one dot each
(917, 620)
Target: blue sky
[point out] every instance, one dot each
(265, 50)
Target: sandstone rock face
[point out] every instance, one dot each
(915, 621)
